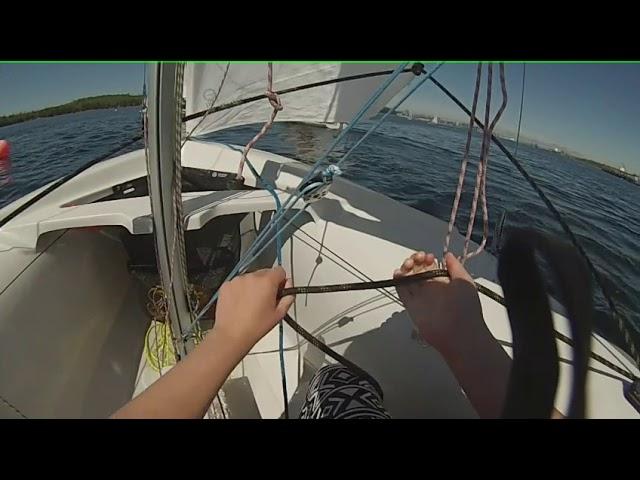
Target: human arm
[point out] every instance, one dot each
(248, 307)
(448, 315)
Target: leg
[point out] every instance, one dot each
(336, 392)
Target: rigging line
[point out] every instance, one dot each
(485, 170)
(463, 165)
(269, 241)
(482, 162)
(299, 359)
(335, 321)
(318, 258)
(276, 199)
(12, 407)
(271, 189)
(298, 192)
(504, 343)
(390, 111)
(237, 269)
(276, 105)
(240, 267)
(347, 287)
(524, 75)
(360, 275)
(565, 227)
(33, 260)
(255, 98)
(323, 347)
(224, 415)
(210, 109)
(262, 242)
(611, 352)
(66, 178)
(343, 133)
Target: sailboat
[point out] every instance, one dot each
(330, 126)
(89, 263)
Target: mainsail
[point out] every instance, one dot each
(331, 103)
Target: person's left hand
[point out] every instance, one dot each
(248, 306)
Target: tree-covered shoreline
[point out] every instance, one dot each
(79, 105)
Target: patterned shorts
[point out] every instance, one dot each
(337, 392)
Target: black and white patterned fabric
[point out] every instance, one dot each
(336, 392)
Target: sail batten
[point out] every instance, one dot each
(332, 103)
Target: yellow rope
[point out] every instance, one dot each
(158, 342)
(159, 349)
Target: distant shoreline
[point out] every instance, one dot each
(617, 172)
(79, 105)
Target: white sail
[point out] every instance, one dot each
(333, 103)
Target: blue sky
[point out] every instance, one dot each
(591, 109)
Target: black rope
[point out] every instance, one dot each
(10, 405)
(377, 284)
(236, 103)
(372, 285)
(65, 179)
(524, 76)
(332, 353)
(224, 415)
(619, 318)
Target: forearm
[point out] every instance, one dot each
(187, 390)
(482, 368)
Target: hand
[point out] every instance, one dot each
(446, 311)
(248, 306)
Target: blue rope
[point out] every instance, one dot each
(298, 193)
(241, 265)
(327, 176)
(389, 112)
(283, 372)
(330, 172)
(399, 69)
(264, 247)
(281, 210)
(271, 189)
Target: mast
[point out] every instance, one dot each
(164, 128)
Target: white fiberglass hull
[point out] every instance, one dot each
(352, 234)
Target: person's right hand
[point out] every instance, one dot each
(444, 310)
(248, 306)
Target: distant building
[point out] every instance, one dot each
(622, 169)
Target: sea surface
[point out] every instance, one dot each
(411, 161)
